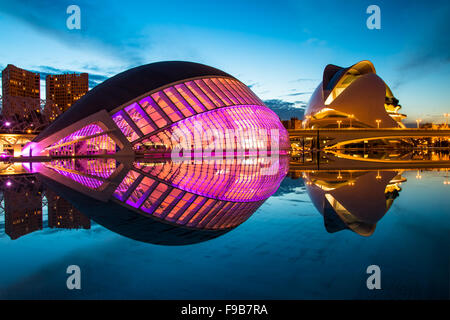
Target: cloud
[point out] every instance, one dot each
(94, 78)
(315, 42)
(101, 30)
(298, 94)
(305, 80)
(254, 85)
(434, 52)
(284, 109)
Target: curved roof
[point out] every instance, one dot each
(128, 85)
(356, 90)
(333, 74)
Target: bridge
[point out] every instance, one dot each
(336, 161)
(334, 137)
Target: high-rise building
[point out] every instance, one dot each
(21, 94)
(63, 90)
(63, 215)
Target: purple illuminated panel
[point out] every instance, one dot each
(209, 194)
(90, 167)
(125, 185)
(239, 129)
(87, 141)
(241, 180)
(140, 118)
(90, 182)
(124, 126)
(184, 105)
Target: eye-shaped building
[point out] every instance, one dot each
(139, 110)
(353, 97)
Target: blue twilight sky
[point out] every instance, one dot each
(278, 48)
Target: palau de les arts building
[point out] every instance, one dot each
(355, 96)
(135, 116)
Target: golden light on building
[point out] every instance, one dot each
(21, 92)
(62, 91)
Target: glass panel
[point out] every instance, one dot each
(138, 116)
(200, 95)
(137, 196)
(153, 112)
(126, 184)
(218, 91)
(177, 210)
(179, 102)
(167, 106)
(221, 83)
(171, 198)
(155, 198)
(211, 95)
(190, 98)
(123, 125)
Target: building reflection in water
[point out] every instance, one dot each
(354, 200)
(63, 215)
(23, 199)
(165, 202)
(175, 203)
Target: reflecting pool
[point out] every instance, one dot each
(250, 228)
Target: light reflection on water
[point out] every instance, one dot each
(313, 238)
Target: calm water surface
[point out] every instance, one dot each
(295, 246)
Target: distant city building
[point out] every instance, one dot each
(62, 91)
(21, 95)
(23, 210)
(62, 214)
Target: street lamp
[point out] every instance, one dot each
(339, 123)
(307, 120)
(446, 119)
(378, 123)
(418, 175)
(351, 117)
(418, 121)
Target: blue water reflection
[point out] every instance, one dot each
(298, 244)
